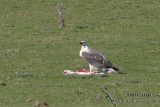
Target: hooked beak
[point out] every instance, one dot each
(81, 43)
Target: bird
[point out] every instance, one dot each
(95, 59)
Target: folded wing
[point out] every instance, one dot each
(96, 59)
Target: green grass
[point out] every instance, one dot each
(34, 52)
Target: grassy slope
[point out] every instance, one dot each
(34, 52)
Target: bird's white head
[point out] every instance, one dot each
(83, 44)
(84, 47)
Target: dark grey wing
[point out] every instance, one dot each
(96, 59)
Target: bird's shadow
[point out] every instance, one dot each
(121, 72)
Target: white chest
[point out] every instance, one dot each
(83, 49)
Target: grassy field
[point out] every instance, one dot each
(34, 52)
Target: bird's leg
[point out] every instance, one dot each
(92, 68)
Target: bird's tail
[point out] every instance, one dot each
(115, 68)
